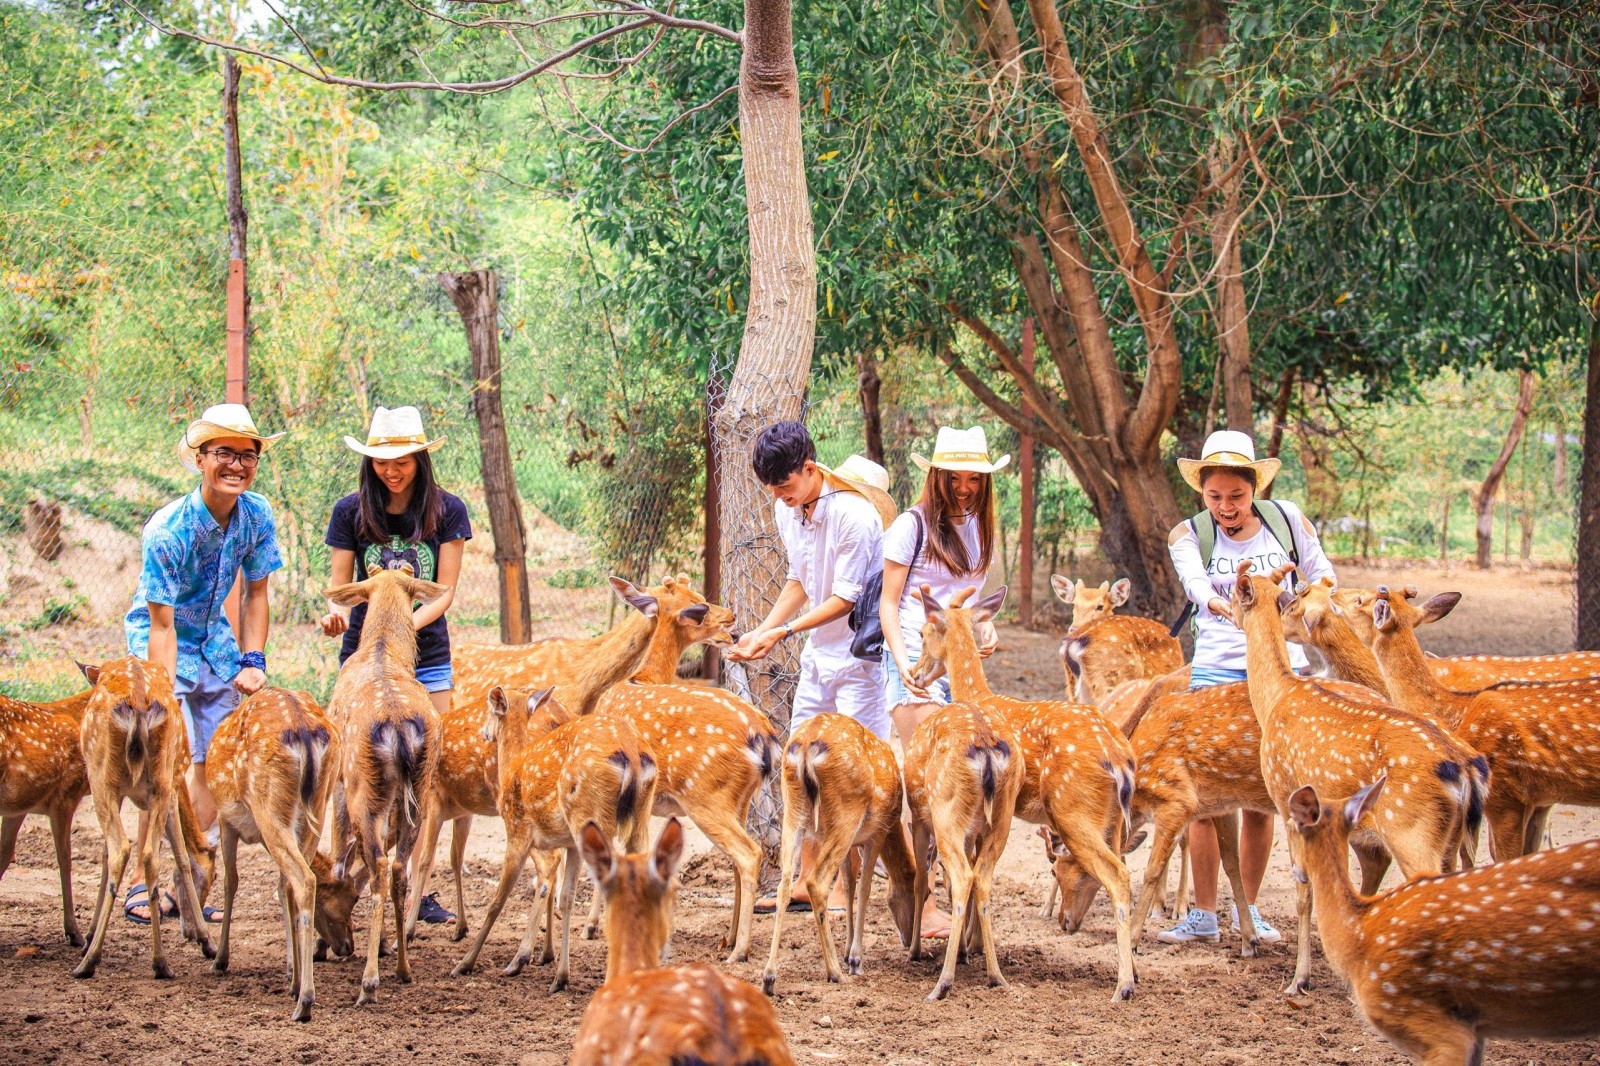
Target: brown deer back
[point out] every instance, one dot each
(702, 739)
(276, 756)
(1201, 747)
(41, 764)
(682, 1014)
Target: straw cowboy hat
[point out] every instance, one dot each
(961, 449)
(221, 420)
(394, 433)
(1233, 449)
(864, 477)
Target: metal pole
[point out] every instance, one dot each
(1026, 472)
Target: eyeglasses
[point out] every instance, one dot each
(227, 457)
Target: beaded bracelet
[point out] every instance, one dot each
(253, 659)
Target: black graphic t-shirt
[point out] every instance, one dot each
(433, 639)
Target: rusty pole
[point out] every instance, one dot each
(1026, 473)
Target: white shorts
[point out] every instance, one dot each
(854, 688)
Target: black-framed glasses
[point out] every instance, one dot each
(227, 457)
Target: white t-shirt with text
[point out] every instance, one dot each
(899, 541)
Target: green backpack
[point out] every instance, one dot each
(1275, 518)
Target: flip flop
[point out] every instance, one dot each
(769, 905)
(139, 896)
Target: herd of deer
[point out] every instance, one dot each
(575, 743)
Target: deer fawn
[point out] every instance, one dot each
(1077, 769)
(135, 747)
(1534, 736)
(841, 787)
(1336, 736)
(1103, 650)
(1440, 965)
(389, 746)
(663, 1017)
(41, 772)
(272, 768)
(963, 771)
(591, 769)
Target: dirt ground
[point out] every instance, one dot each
(1194, 1005)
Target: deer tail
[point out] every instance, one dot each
(989, 761)
(627, 791)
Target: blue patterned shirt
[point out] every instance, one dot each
(189, 563)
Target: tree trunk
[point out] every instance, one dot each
(1232, 304)
(869, 386)
(1559, 474)
(1525, 519)
(236, 388)
(1484, 497)
(1444, 533)
(477, 301)
(1280, 416)
(1588, 635)
(769, 381)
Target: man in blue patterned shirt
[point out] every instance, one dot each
(193, 547)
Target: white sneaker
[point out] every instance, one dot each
(1197, 925)
(1264, 929)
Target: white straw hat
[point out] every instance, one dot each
(861, 475)
(961, 449)
(220, 420)
(1229, 448)
(394, 433)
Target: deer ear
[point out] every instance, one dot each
(498, 702)
(683, 579)
(930, 606)
(597, 854)
(642, 602)
(1243, 587)
(1120, 591)
(669, 849)
(694, 614)
(989, 606)
(347, 595)
(1382, 617)
(535, 700)
(1359, 804)
(90, 673)
(342, 867)
(1285, 601)
(1061, 587)
(1304, 807)
(1438, 607)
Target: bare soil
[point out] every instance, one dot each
(1198, 1004)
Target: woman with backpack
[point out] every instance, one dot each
(1206, 550)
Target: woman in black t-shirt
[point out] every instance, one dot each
(400, 515)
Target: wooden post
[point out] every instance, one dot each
(710, 661)
(238, 322)
(1026, 472)
(476, 299)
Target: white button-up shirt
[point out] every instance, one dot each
(831, 554)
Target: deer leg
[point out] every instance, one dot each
(832, 850)
(148, 847)
(1105, 869)
(61, 834)
(10, 826)
(958, 875)
(191, 919)
(1169, 825)
(1300, 983)
(591, 925)
(1228, 845)
(299, 886)
(1538, 824)
(919, 883)
(564, 965)
(788, 852)
(724, 829)
(422, 862)
(230, 885)
(374, 836)
(1374, 863)
(460, 830)
(1181, 896)
(1508, 826)
(518, 844)
(109, 812)
(983, 885)
(405, 844)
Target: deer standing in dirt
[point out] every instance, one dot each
(591, 769)
(842, 788)
(1440, 965)
(1535, 737)
(135, 747)
(1338, 736)
(1102, 650)
(389, 748)
(273, 766)
(644, 1016)
(42, 772)
(963, 771)
(1077, 768)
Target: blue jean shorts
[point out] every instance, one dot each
(895, 689)
(1206, 676)
(206, 701)
(436, 678)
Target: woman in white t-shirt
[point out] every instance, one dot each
(1228, 476)
(946, 541)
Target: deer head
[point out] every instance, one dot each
(1090, 604)
(1321, 827)
(338, 889)
(934, 661)
(640, 893)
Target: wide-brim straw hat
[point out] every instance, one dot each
(1231, 449)
(394, 433)
(864, 477)
(966, 450)
(220, 420)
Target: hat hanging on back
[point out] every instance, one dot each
(864, 477)
(393, 433)
(961, 449)
(1233, 449)
(220, 420)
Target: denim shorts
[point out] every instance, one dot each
(1206, 676)
(436, 678)
(206, 701)
(895, 689)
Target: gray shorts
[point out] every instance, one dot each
(206, 701)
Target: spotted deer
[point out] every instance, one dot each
(42, 772)
(135, 747)
(1311, 618)
(1537, 738)
(1103, 650)
(591, 769)
(272, 768)
(1077, 768)
(1440, 965)
(841, 788)
(963, 771)
(1337, 737)
(389, 748)
(674, 1016)
(468, 785)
